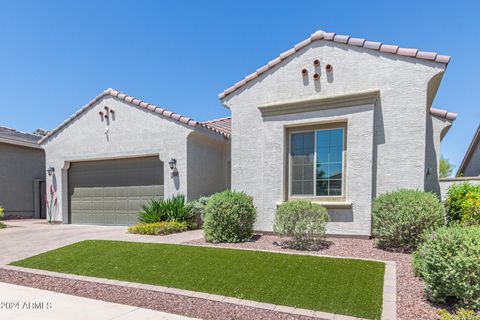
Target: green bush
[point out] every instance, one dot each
(158, 228)
(229, 217)
(172, 209)
(455, 204)
(449, 262)
(400, 218)
(2, 212)
(461, 314)
(302, 220)
(199, 207)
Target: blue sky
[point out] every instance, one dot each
(57, 55)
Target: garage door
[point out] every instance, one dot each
(111, 192)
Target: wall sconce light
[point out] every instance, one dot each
(429, 171)
(173, 166)
(50, 170)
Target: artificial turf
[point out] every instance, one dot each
(343, 286)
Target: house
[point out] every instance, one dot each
(337, 120)
(22, 172)
(470, 166)
(117, 152)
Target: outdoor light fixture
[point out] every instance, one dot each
(173, 166)
(50, 170)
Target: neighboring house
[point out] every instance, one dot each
(117, 152)
(337, 120)
(470, 166)
(22, 174)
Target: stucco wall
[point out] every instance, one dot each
(207, 166)
(472, 169)
(435, 128)
(132, 132)
(19, 167)
(399, 122)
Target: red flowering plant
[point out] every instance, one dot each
(52, 205)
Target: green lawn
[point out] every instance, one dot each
(350, 287)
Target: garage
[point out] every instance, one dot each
(111, 192)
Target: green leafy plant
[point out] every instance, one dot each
(460, 314)
(2, 225)
(400, 218)
(471, 209)
(229, 217)
(448, 261)
(456, 198)
(445, 168)
(303, 220)
(158, 228)
(172, 209)
(199, 207)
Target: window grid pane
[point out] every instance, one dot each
(302, 158)
(329, 162)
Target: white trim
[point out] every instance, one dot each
(358, 98)
(290, 166)
(20, 143)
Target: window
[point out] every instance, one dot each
(316, 162)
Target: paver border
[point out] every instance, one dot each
(389, 306)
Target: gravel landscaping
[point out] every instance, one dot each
(191, 307)
(411, 302)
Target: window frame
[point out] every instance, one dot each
(289, 163)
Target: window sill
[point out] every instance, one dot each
(328, 204)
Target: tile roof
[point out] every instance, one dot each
(222, 125)
(331, 36)
(16, 137)
(470, 150)
(443, 114)
(137, 102)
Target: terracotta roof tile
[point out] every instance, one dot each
(222, 125)
(332, 36)
(443, 114)
(136, 102)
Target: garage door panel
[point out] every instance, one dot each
(112, 192)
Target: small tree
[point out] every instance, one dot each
(446, 168)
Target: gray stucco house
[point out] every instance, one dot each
(117, 152)
(336, 120)
(22, 174)
(470, 166)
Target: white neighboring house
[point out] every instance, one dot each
(118, 152)
(337, 120)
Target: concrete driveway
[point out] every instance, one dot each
(25, 238)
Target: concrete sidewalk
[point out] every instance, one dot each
(39, 304)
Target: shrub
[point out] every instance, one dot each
(2, 212)
(400, 218)
(301, 219)
(158, 228)
(199, 207)
(471, 209)
(456, 198)
(172, 209)
(461, 314)
(229, 217)
(448, 261)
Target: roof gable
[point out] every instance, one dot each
(471, 149)
(135, 102)
(331, 36)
